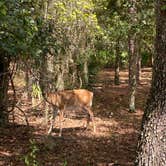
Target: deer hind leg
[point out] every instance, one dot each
(91, 117)
(86, 123)
(54, 114)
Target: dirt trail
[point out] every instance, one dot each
(115, 140)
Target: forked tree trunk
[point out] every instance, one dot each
(132, 56)
(4, 80)
(152, 143)
(117, 63)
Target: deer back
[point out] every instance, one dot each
(71, 98)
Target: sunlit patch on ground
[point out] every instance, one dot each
(114, 142)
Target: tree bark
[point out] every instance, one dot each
(132, 56)
(4, 81)
(152, 142)
(85, 72)
(60, 84)
(43, 83)
(28, 81)
(138, 65)
(117, 63)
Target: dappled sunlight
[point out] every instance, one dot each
(104, 127)
(114, 141)
(5, 153)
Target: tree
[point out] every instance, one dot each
(117, 64)
(113, 19)
(152, 143)
(59, 34)
(74, 26)
(146, 33)
(132, 54)
(4, 78)
(17, 30)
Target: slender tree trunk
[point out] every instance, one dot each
(28, 84)
(117, 63)
(132, 73)
(60, 84)
(4, 80)
(139, 65)
(132, 56)
(152, 143)
(85, 72)
(43, 83)
(43, 65)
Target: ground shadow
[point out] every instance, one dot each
(73, 148)
(114, 142)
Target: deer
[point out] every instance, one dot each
(74, 99)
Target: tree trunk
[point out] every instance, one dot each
(152, 143)
(117, 63)
(28, 81)
(138, 65)
(4, 80)
(60, 84)
(132, 56)
(43, 82)
(132, 72)
(85, 72)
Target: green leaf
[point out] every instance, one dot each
(163, 7)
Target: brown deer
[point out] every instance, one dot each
(70, 99)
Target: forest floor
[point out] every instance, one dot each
(114, 143)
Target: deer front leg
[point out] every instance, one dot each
(61, 116)
(54, 114)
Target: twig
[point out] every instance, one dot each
(26, 119)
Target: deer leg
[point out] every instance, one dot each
(54, 114)
(91, 117)
(86, 124)
(61, 115)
